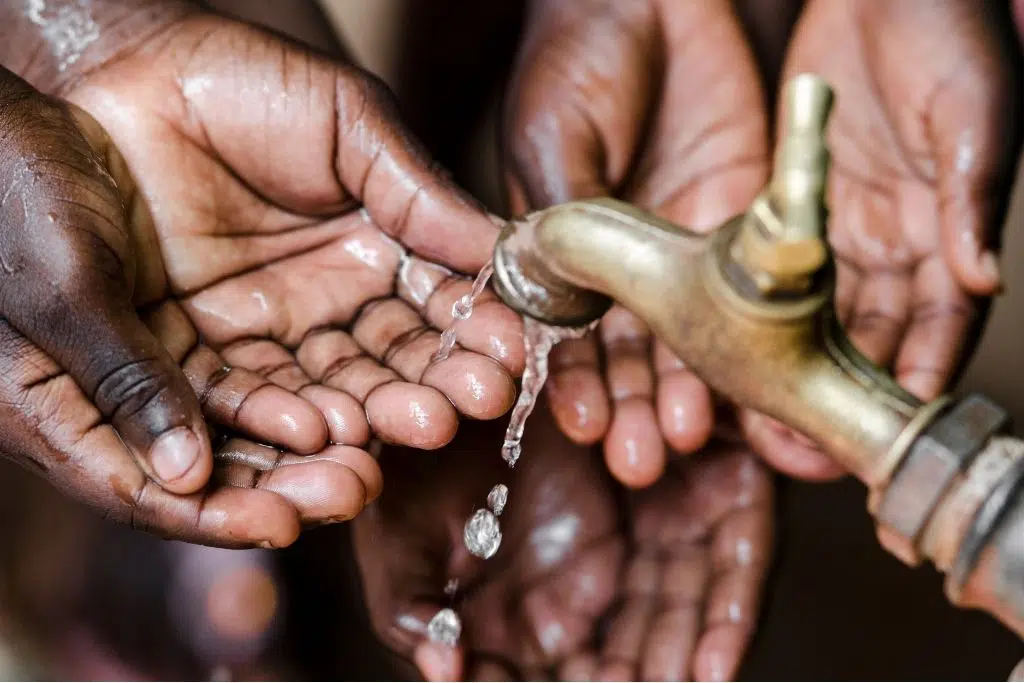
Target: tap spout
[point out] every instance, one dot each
(786, 357)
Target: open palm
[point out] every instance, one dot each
(676, 571)
(283, 230)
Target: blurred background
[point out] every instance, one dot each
(80, 599)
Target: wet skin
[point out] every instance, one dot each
(258, 267)
(660, 103)
(590, 583)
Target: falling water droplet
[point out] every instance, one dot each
(497, 498)
(462, 308)
(511, 449)
(483, 534)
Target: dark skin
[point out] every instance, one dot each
(190, 289)
(660, 103)
(676, 571)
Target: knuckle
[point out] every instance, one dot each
(373, 89)
(131, 388)
(362, 96)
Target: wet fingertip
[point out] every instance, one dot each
(975, 265)
(295, 423)
(504, 343)
(685, 412)
(719, 654)
(478, 387)
(343, 414)
(785, 453)
(437, 662)
(634, 449)
(576, 420)
(411, 415)
(352, 495)
(321, 490)
(234, 516)
(283, 533)
(580, 405)
(366, 468)
(926, 386)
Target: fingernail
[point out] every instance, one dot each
(174, 454)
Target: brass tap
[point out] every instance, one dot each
(749, 308)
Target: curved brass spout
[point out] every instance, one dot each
(749, 309)
(678, 283)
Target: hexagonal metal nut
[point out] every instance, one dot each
(945, 449)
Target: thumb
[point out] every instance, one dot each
(66, 286)
(583, 83)
(133, 383)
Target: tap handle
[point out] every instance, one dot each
(802, 159)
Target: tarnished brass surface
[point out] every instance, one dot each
(785, 357)
(749, 309)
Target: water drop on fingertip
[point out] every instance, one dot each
(445, 628)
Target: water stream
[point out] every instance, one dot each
(539, 340)
(462, 310)
(482, 533)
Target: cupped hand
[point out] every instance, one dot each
(658, 103)
(585, 583)
(924, 137)
(91, 393)
(300, 225)
(261, 258)
(702, 542)
(537, 598)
